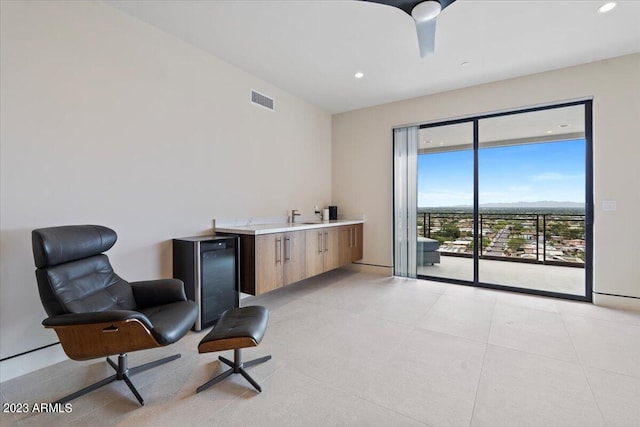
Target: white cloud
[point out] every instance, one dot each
(555, 176)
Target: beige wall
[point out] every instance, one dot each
(362, 158)
(107, 120)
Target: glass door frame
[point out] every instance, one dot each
(589, 210)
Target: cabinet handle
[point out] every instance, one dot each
(278, 250)
(287, 249)
(320, 242)
(350, 237)
(326, 242)
(355, 235)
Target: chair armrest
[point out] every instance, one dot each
(76, 319)
(151, 293)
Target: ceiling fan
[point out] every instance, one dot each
(424, 13)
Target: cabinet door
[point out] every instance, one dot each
(345, 239)
(351, 241)
(315, 252)
(357, 246)
(269, 262)
(294, 256)
(331, 243)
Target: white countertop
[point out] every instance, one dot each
(256, 229)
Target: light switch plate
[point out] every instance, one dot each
(609, 205)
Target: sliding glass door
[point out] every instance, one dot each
(504, 201)
(531, 186)
(445, 202)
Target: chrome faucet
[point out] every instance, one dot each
(294, 213)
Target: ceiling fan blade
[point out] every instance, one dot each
(426, 37)
(407, 5)
(426, 29)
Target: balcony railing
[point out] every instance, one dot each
(545, 238)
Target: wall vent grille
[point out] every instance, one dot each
(262, 100)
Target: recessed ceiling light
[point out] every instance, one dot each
(564, 126)
(442, 143)
(549, 131)
(358, 75)
(607, 7)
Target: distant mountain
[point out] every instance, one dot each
(540, 204)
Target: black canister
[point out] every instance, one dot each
(333, 212)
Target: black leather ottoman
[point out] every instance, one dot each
(237, 328)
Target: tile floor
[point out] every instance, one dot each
(352, 349)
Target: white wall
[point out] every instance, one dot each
(362, 158)
(107, 120)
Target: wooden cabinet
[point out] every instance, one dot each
(269, 273)
(279, 261)
(271, 261)
(331, 248)
(351, 243)
(357, 250)
(322, 250)
(293, 251)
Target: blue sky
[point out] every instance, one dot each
(519, 173)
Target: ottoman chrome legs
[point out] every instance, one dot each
(237, 367)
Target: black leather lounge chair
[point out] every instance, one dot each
(96, 313)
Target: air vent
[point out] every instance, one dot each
(261, 100)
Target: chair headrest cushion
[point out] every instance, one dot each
(57, 245)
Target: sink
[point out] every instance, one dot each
(307, 223)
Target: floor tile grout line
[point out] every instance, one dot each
(452, 334)
(598, 319)
(609, 371)
(399, 346)
(527, 307)
(583, 370)
(238, 397)
(358, 396)
(448, 334)
(544, 356)
(579, 361)
(547, 314)
(493, 312)
(484, 358)
(475, 399)
(593, 394)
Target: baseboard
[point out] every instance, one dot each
(613, 301)
(29, 362)
(369, 268)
